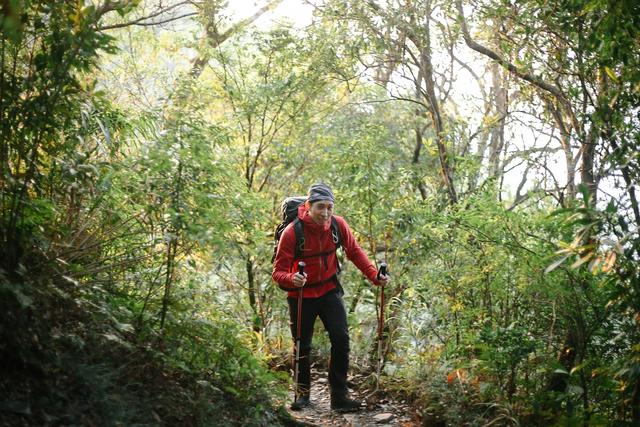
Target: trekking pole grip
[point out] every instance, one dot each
(382, 271)
(296, 368)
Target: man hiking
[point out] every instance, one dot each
(321, 293)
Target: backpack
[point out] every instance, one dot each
(289, 209)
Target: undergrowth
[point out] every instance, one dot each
(69, 357)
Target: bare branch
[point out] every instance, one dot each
(216, 39)
(139, 22)
(531, 78)
(143, 21)
(247, 21)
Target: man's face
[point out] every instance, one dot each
(321, 211)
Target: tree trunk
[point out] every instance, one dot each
(251, 289)
(393, 58)
(565, 140)
(587, 176)
(635, 404)
(567, 358)
(356, 297)
(432, 102)
(572, 352)
(418, 147)
(422, 188)
(496, 145)
(172, 248)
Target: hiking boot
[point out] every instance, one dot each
(344, 404)
(302, 402)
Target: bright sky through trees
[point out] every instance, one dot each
(521, 135)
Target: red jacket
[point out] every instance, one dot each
(317, 240)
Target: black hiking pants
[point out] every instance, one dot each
(331, 311)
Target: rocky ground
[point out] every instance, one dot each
(379, 411)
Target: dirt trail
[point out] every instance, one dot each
(378, 412)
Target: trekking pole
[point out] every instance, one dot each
(296, 365)
(381, 272)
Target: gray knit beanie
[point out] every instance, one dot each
(320, 191)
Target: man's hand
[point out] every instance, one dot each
(299, 280)
(383, 279)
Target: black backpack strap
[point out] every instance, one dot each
(335, 232)
(297, 227)
(337, 240)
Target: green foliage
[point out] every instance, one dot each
(96, 367)
(87, 219)
(42, 91)
(499, 320)
(604, 246)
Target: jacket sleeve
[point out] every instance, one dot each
(285, 253)
(355, 254)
